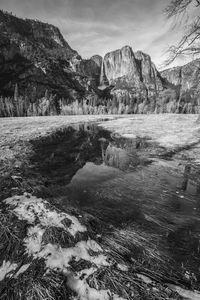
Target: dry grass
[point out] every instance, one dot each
(138, 249)
(12, 233)
(128, 285)
(35, 284)
(123, 246)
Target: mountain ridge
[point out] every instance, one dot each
(35, 56)
(47, 52)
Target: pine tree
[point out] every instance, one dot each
(15, 111)
(16, 92)
(46, 95)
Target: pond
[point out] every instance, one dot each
(145, 199)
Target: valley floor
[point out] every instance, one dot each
(100, 208)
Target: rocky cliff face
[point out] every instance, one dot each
(88, 67)
(172, 75)
(148, 72)
(123, 71)
(122, 63)
(130, 71)
(35, 55)
(187, 76)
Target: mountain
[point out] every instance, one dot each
(36, 56)
(132, 72)
(187, 76)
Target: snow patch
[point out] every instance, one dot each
(32, 209)
(33, 241)
(122, 268)
(59, 258)
(186, 294)
(6, 269)
(144, 278)
(22, 270)
(38, 65)
(85, 292)
(57, 40)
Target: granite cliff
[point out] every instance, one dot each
(36, 56)
(130, 74)
(187, 76)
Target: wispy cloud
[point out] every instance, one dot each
(100, 26)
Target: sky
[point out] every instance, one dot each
(100, 26)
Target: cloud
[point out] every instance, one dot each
(99, 26)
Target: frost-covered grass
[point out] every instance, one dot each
(168, 130)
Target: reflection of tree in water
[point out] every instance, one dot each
(198, 182)
(186, 175)
(60, 155)
(120, 153)
(116, 157)
(198, 189)
(190, 174)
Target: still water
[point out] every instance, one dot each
(129, 185)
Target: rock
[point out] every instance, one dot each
(148, 72)
(187, 76)
(122, 63)
(35, 55)
(97, 59)
(89, 68)
(172, 75)
(129, 71)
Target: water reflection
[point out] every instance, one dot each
(116, 157)
(186, 177)
(116, 180)
(92, 174)
(122, 153)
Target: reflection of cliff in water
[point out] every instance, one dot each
(123, 153)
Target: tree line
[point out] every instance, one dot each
(167, 102)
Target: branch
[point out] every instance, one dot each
(189, 44)
(177, 7)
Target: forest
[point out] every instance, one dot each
(167, 102)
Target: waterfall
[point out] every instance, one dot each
(103, 79)
(102, 73)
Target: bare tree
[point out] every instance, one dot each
(190, 42)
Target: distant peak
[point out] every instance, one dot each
(96, 56)
(126, 47)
